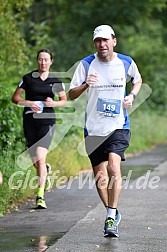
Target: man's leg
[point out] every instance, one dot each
(108, 180)
(114, 188)
(115, 180)
(101, 179)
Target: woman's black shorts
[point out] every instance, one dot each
(38, 132)
(98, 147)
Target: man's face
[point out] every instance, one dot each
(105, 48)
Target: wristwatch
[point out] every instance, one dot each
(131, 93)
(85, 83)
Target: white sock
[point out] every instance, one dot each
(111, 212)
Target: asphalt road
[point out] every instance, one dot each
(75, 217)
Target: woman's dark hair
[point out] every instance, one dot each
(45, 50)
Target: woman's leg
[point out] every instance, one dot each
(39, 162)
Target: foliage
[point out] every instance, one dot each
(13, 59)
(9, 197)
(13, 45)
(12, 54)
(66, 28)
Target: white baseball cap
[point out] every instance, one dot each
(103, 31)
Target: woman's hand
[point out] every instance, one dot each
(49, 102)
(34, 105)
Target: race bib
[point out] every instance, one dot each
(108, 107)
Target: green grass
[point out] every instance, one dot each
(136, 171)
(147, 130)
(9, 198)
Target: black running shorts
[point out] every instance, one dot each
(38, 132)
(99, 147)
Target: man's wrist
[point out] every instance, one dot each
(134, 96)
(86, 84)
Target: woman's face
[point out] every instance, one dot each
(44, 62)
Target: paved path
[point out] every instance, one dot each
(75, 217)
(143, 226)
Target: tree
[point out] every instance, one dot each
(13, 58)
(66, 28)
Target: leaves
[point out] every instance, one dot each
(66, 27)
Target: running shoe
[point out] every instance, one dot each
(117, 218)
(48, 181)
(40, 203)
(111, 226)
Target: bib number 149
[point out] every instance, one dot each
(108, 107)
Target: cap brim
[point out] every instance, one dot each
(102, 35)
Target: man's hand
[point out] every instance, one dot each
(127, 102)
(91, 79)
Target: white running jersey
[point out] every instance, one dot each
(104, 110)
